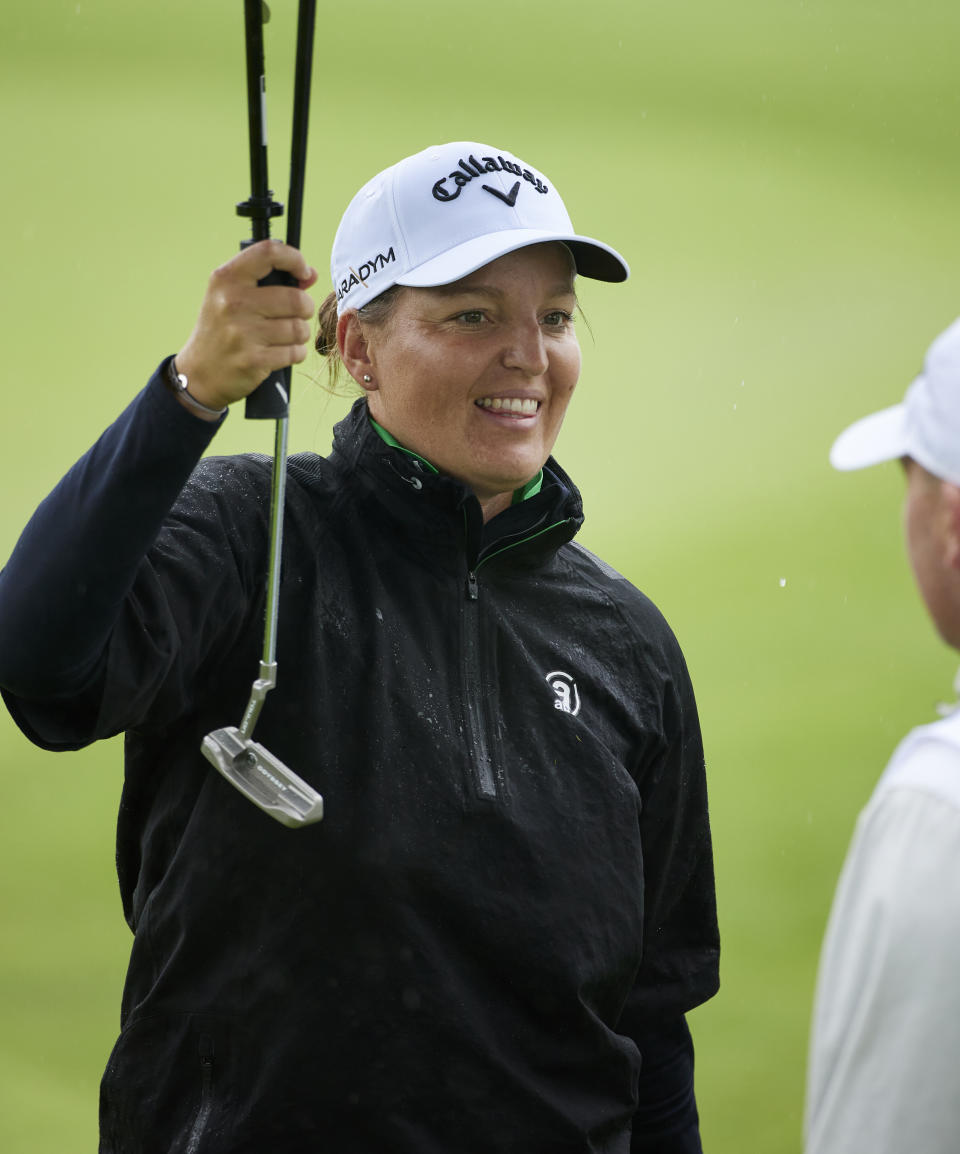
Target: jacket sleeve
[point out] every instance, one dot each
(65, 585)
(680, 964)
(681, 948)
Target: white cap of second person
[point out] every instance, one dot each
(924, 426)
(439, 215)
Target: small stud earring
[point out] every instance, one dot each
(367, 378)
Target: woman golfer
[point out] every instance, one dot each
(490, 941)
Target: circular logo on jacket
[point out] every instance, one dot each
(567, 696)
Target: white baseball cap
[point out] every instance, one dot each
(439, 215)
(924, 426)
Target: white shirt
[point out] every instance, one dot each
(884, 1064)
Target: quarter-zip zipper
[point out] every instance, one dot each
(480, 726)
(478, 721)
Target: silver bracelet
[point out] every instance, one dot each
(178, 382)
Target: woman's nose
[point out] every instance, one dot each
(525, 350)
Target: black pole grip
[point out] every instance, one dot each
(306, 22)
(258, 207)
(270, 400)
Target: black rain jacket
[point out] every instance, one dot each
(512, 885)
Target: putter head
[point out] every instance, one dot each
(259, 776)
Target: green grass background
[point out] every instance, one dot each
(782, 176)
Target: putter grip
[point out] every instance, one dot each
(270, 400)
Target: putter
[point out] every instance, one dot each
(248, 766)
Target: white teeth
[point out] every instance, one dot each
(526, 407)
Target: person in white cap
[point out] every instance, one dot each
(885, 1042)
(490, 942)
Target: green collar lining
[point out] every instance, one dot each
(530, 489)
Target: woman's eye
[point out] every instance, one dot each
(557, 319)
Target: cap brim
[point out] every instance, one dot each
(871, 440)
(592, 258)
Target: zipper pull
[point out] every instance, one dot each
(473, 589)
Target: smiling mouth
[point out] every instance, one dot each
(526, 407)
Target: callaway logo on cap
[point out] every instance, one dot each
(439, 215)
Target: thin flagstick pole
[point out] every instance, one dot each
(306, 22)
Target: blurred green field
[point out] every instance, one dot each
(782, 176)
